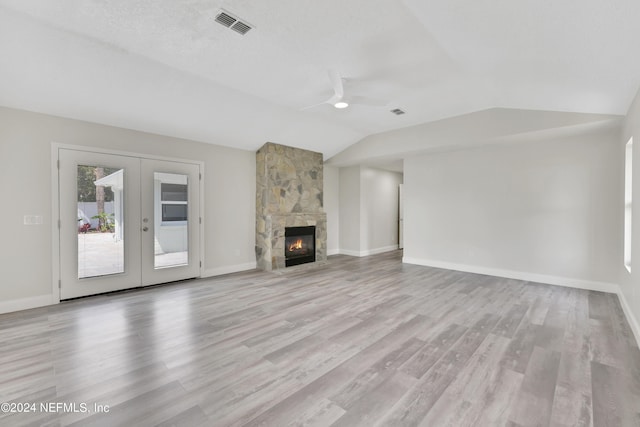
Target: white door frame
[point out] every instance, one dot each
(55, 203)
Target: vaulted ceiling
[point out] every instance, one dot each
(166, 66)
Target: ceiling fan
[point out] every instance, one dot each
(339, 100)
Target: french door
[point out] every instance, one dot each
(126, 222)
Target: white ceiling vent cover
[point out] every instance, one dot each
(240, 27)
(230, 21)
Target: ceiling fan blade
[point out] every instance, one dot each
(330, 101)
(338, 90)
(335, 98)
(313, 106)
(365, 100)
(336, 82)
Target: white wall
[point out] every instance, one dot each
(630, 282)
(546, 210)
(25, 169)
(331, 201)
(350, 210)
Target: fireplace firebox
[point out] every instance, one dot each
(299, 245)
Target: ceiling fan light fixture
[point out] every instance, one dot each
(341, 104)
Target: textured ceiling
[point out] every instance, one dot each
(165, 66)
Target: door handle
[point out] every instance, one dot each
(145, 228)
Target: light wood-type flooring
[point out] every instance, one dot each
(354, 342)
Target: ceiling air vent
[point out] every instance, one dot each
(230, 21)
(397, 111)
(240, 27)
(226, 20)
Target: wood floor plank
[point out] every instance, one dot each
(535, 400)
(509, 323)
(521, 347)
(615, 397)
(350, 341)
(572, 404)
(492, 407)
(137, 410)
(426, 357)
(192, 417)
(319, 414)
(419, 400)
(377, 374)
(473, 391)
(370, 407)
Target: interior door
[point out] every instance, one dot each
(126, 222)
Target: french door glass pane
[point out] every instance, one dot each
(171, 225)
(100, 221)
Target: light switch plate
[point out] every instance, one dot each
(33, 220)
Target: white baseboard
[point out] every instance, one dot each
(379, 250)
(333, 252)
(25, 303)
(369, 251)
(519, 275)
(631, 318)
(348, 252)
(229, 269)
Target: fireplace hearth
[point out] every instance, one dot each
(299, 245)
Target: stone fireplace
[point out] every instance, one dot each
(291, 226)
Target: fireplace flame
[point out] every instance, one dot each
(295, 245)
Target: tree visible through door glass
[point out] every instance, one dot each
(100, 221)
